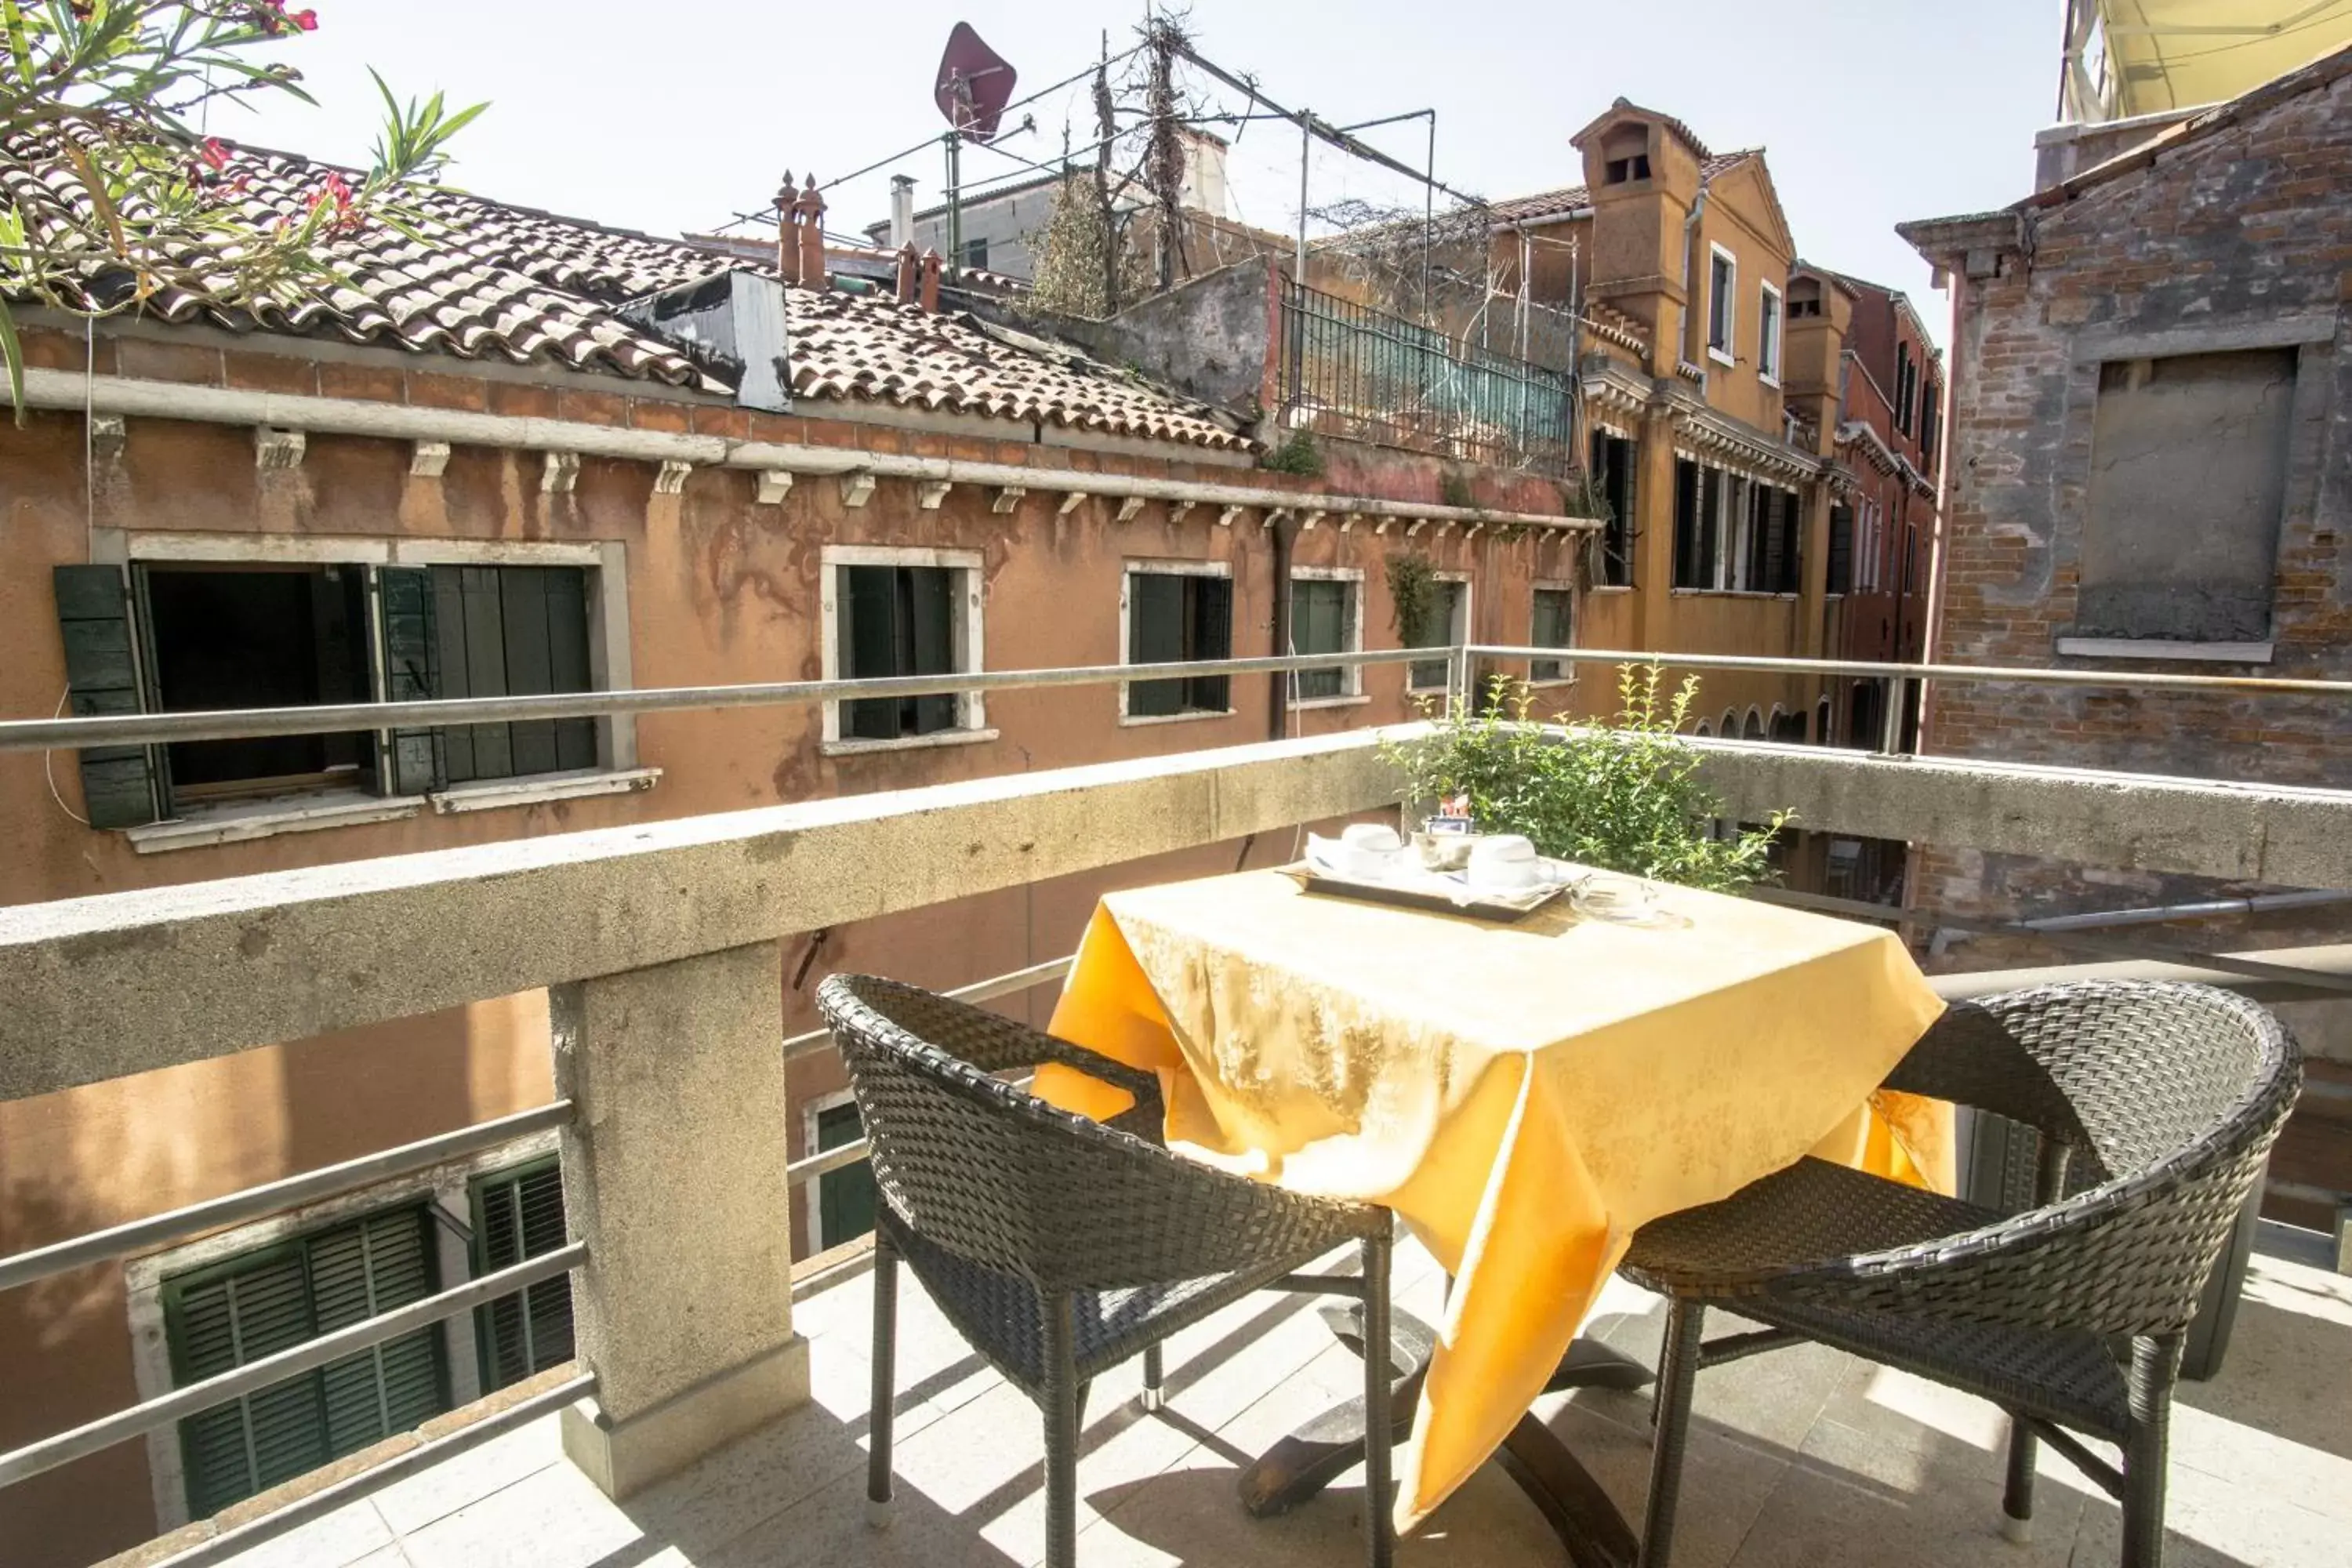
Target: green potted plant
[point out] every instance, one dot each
(1625, 799)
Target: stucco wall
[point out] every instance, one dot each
(720, 590)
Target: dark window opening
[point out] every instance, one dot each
(239, 1310)
(261, 638)
(1322, 620)
(1612, 474)
(975, 255)
(1175, 619)
(1773, 565)
(1905, 380)
(1621, 170)
(1552, 624)
(897, 620)
(1841, 549)
(518, 1214)
(1442, 628)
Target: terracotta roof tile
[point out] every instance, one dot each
(1570, 198)
(494, 281)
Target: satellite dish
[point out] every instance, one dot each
(975, 84)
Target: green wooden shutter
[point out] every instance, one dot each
(846, 1197)
(121, 786)
(220, 1320)
(237, 1311)
(1155, 634)
(1211, 620)
(931, 595)
(412, 673)
(358, 1271)
(1841, 549)
(522, 606)
(567, 661)
(518, 1214)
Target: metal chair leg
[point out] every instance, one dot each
(2156, 1366)
(1152, 1396)
(885, 1358)
(1061, 1411)
(1379, 1526)
(1677, 1379)
(2017, 1498)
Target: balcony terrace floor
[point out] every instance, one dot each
(1805, 1458)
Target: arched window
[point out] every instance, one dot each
(1821, 723)
(1862, 716)
(1753, 728)
(1702, 731)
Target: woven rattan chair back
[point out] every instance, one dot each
(986, 1170)
(2167, 1097)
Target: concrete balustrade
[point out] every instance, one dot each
(674, 1177)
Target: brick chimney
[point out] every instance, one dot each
(931, 280)
(1819, 319)
(808, 209)
(1643, 171)
(788, 242)
(908, 268)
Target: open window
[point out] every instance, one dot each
(1612, 476)
(1178, 612)
(1327, 616)
(1767, 334)
(1446, 625)
(1551, 623)
(1625, 155)
(1722, 300)
(891, 613)
(165, 635)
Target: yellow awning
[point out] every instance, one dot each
(2177, 54)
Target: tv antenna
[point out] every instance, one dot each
(972, 89)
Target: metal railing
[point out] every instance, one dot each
(1357, 372)
(157, 728)
(238, 723)
(165, 1409)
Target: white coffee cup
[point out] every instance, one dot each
(1504, 860)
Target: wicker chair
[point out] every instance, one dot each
(1061, 1246)
(2156, 1106)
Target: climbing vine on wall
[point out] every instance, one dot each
(1413, 593)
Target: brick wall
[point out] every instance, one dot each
(2239, 237)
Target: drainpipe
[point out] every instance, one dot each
(1690, 316)
(1284, 528)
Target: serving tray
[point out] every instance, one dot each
(1428, 890)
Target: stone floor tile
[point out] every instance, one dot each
(411, 1503)
(555, 1519)
(2211, 1523)
(350, 1533)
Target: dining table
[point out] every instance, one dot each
(1524, 1094)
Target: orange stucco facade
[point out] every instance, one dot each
(719, 589)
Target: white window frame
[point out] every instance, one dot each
(1457, 632)
(616, 772)
(1136, 567)
(1722, 353)
(1351, 676)
(446, 1187)
(1566, 676)
(1771, 326)
(966, 632)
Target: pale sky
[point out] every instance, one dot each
(671, 117)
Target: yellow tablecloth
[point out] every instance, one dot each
(1525, 1096)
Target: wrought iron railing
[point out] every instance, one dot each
(1357, 373)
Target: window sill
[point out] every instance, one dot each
(2165, 649)
(1730, 593)
(1132, 720)
(491, 794)
(1548, 681)
(1345, 699)
(1611, 588)
(1769, 379)
(235, 824)
(1719, 356)
(906, 742)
